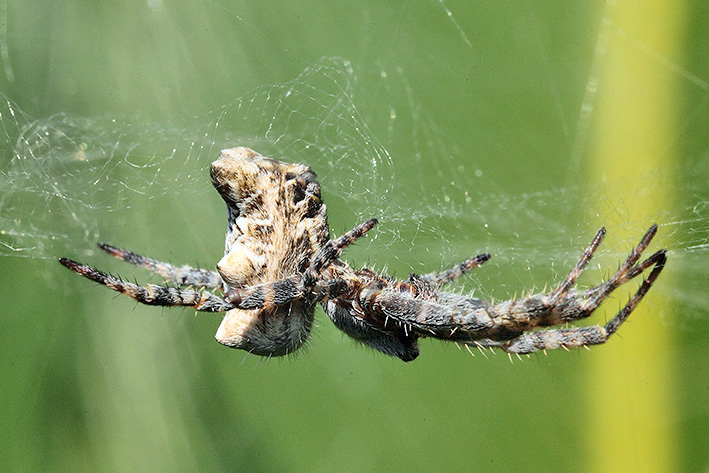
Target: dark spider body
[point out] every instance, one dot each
(280, 262)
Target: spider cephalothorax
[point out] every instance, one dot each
(279, 262)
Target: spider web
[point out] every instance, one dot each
(381, 149)
(66, 177)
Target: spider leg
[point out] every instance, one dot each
(183, 275)
(566, 306)
(284, 291)
(455, 318)
(329, 253)
(309, 287)
(469, 320)
(580, 266)
(582, 336)
(153, 294)
(658, 259)
(448, 275)
(333, 248)
(627, 271)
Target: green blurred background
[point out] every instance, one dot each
(517, 128)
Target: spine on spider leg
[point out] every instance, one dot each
(454, 318)
(326, 290)
(553, 339)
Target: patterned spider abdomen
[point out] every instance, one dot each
(276, 223)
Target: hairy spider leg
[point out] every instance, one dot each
(467, 319)
(443, 277)
(258, 296)
(284, 291)
(183, 275)
(310, 286)
(567, 305)
(276, 293)
(153, 294)
(658, 259)
(582, 336)
(628, 270)
(333, 248)
(580, 266)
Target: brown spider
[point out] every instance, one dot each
(280, 262)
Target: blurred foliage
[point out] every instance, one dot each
(92, 382)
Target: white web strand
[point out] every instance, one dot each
(457, 26)
(64, 176)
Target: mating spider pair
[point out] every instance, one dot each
(280, 262)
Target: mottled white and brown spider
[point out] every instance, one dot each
(280, 262)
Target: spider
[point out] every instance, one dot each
(279, 263)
